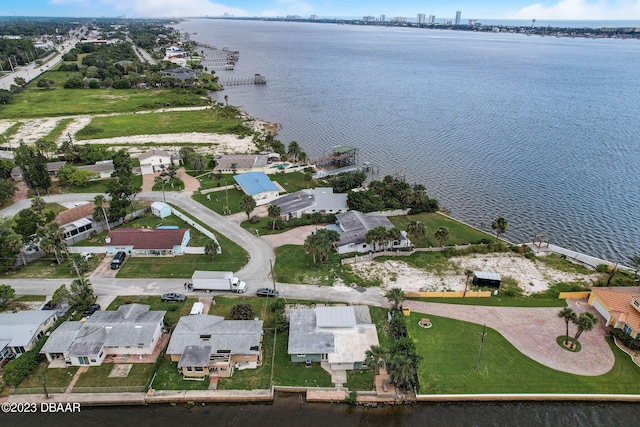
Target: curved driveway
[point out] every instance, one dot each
(533, 331)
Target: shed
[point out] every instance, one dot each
(487, 279)
(160, 209)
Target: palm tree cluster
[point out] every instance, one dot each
(499, 225)
(382, 238)
(584, 322)
(320, 244)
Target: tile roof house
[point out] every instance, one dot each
(257, 185)
(132, 329)
(78, 223)
(620, 307)
(19, 332)
(204, 344)
(321, 199)
(339, 336)
(148, 241)
(353, 227)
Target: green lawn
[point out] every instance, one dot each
(98, 376)
(159, 123)
(168, 378)
(293, 265)
(31, 298)
(174, 310)
(49, 268)
(217, 201)
(261, 307)
(293, 181)
(57, 131)
(450, 350)
(253, 379)
(54, 378)
(360, 379)
(61, 102)
(100, 186)
(287, 373)
(459, 233)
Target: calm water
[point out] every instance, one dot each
(542, 131)
(289, 410)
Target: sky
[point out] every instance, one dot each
(493, 9)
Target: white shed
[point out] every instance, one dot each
(161, 210)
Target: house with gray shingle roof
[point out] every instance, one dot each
(132, 329)
(338, 336)
(321, 199)
(204, 344)
(353, 227)
(19, 332)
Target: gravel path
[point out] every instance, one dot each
(533, 331)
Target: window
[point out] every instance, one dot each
(189, 369)
(198, 369)
(205, 337)
(101, 353)
(93, 360)
(626, 329)
(18, 350)
(83, 360)
(301, 355)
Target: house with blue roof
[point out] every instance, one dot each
(257, 185)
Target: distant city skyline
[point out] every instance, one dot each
(441, 9)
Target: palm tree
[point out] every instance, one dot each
(402, 370)
(374, 357)
(326, 239)
(417, 230)
(376, 236)
(211, 248)
(392, 235)
(294, 151)
(499, 225)
(234, 167)
(274, 213)
(568, 315)
(469, 274)
(585, 322)
(396, 295)
(311, 246)
(100, 201)
(441, 235)
(247, 204)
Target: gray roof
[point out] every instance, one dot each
(130, 325)
(242, 161)
(355, 224)
(100, 167)
(151, 153)
(486, 275)
(195, 356)
(304, 338)
(315, 199)
(335, 317)
(238, 336)
(19, 328)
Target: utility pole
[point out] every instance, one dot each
(44, 386)
(226, 194)
(481, 344)
(273, 278)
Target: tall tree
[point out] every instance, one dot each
(417, 230)
(7, 190)
(247, 205)
(441, 235)
(396, 296)
(499, 225)
(99, 212)
(9, 244)
(393, 235)
(376, 236)
(34, 168)
(585, 322)
(274, 213)
(121, 190)
(81, 292)
(568, 315)
(52, 240)
(374, 357)
(7, 293)
(211, 248)
(294, 151)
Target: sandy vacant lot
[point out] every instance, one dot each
(532, 276)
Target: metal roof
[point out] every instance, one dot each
(254, 183)
(355, 224)
(19, 328)
(335, 317)
(486, 275)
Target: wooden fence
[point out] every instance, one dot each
(434, 294)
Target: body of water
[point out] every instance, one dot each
(540, 130)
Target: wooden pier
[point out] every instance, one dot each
(256, 79)
(343, 155)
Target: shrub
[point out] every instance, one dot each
(626, 339)
(278, 304)
(242, 312)
(602, 268)
(18, 369)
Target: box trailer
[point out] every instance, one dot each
(217, 281)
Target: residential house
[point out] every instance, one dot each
(242, 163)
(160, 209)
(130, 330)
(620, 307)
(103, 168)
(52, 168)
(19, 332)
(181, 72)
(353, 227)
(156, 161)
(257, 185)
(148, 241)
(321, 199)
(204, 345)
(338, 336)
(78, 223)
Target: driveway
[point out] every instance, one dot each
(297, 236)
(533, 331)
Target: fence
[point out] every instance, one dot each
(435, 294)
(578, 295)
(197, 226)
(121, 389)
(37, 390)
(371, 255)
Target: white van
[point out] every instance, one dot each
(198, 308)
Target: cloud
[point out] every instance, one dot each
(153, 8)
(581, 10)
(289, 7)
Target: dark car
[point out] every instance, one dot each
(173, 297)
(118, 259)
(90, 310)
(49, 306)
(267, 292)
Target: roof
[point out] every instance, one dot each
(355, 224)
(343, 149)
(159, 206)
(194, 355)
(79, 212)
(51, 167)
(130, 325)
(104, 166)
(242, 161)
(151, 153)
(254, 183)
(340, 317)
(320, 199)
(19, 328)
(147, 238)
(238, 336)
(487, 275)
(621, 303)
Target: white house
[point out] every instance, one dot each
(131, 329)
(321, 199)
(160, 209)
(19, 332)
(156, 160)
(148, 241)
(353, 227)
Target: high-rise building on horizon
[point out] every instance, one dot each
(432, 19)
(382, 18)
(421, 18)
(458, 15)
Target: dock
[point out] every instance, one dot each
(256, 79)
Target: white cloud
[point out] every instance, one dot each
(289, 7)
(152, 8)
(581, 10)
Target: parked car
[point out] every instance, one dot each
(173, 297)
(118, 259)
(49, 306)
(267, 292)
(90, 310)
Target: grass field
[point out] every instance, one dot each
(450, 350)
(57, 130)
(98, 376)
(253, 379)
(61, 102)
(209, 121)
(287, 373)
(48, 268)
(217, 201)
(168, 378)
(53, 378)
(459, 233)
